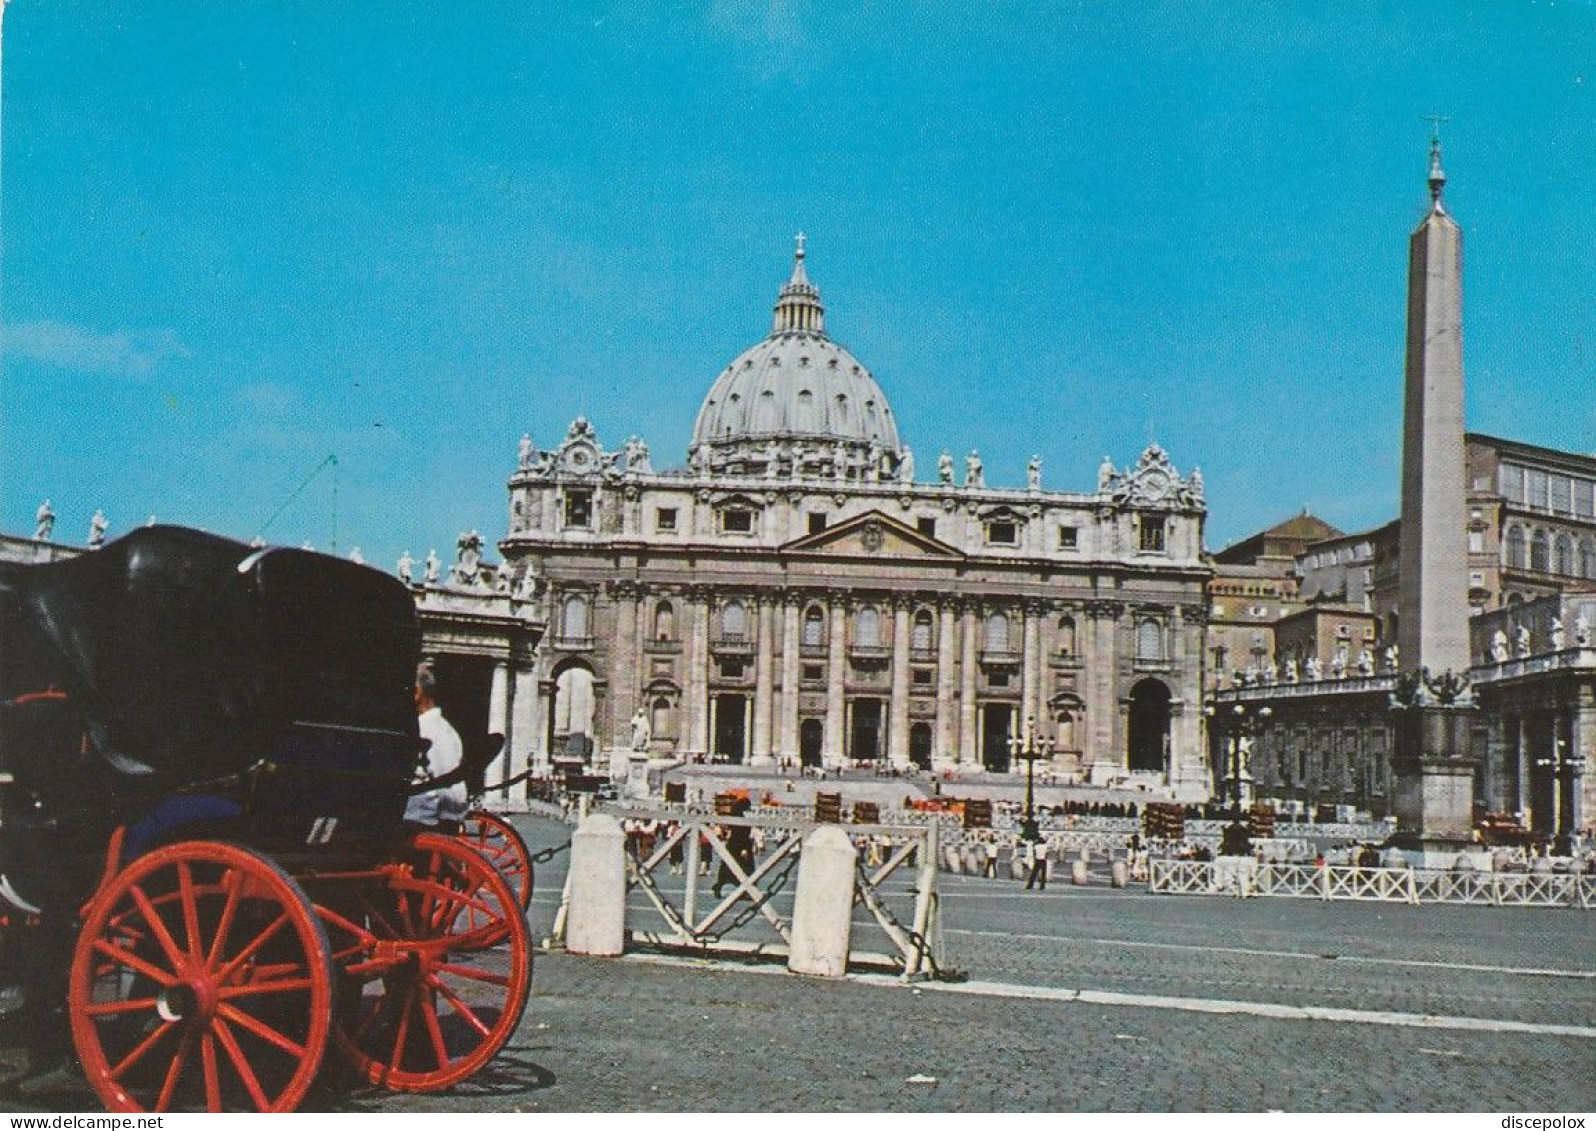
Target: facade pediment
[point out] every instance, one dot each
(872, 534)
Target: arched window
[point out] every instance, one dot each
(814, 627)
(1540, 555)
(575, 619)
(1149, 640)
(920, 639)
(664, 621)
(997, 633)
(1563, 555)
(1587, 558)
(1066, 636)
(733, 621)
(867, 628)
(1515, 547)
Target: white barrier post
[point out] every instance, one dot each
(596, 921)
(822, 916)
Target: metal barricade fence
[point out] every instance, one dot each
(1390, 885)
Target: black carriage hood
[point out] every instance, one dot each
(189, 655)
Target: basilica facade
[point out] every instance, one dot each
(798, 593)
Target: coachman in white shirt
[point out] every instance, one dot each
(445, 808)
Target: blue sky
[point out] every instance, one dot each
(240, 237)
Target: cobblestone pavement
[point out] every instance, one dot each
(651, 1034)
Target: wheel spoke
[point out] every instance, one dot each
(224, 925)
(143, 1047)
(157, 926)
(185, 889)
(240, 1063)
(213, 1083)
(461, 1007)
(371, 1015)
(107, 1008)
(174, 1072)
(396, 1062)
(429, 1010)
(255, 989)
(474, 974)
(135, 963)
(260, 940)
(262, 1030)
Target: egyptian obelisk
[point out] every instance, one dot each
(1434, 767)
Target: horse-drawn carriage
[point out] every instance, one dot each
(205, 756)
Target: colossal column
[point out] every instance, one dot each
(836, 662)
(698, 672)
(967, 752)
(763, 691)
(787, 741)
(898, 706)
(945, 753)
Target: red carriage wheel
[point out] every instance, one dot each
(495, 838)
(437, 969)
(201, 980)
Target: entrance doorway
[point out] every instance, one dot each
(997, 723)
(865, 734)
(731, 728)
(811, 732)
(1147, 743)
(920, 745)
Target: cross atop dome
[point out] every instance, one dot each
(798, 306)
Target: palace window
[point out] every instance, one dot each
(1515, 547)
(1476, 541)
(1540, 555)
(920, 638)
(1069, 537)
(1587, 558)
(1002, 533)
(733, 622)
(736, 520)
(1149, 640)
(1151, 530)
(579, 509)
(665, 519)
(997, 633)
(867, 628)
(1563, 555)
(817, 522)
(926, 525)
(575, 620)
(814, 627)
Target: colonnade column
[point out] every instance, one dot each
(764, 656)
(787, 731)
(1584, 746)
(836, 659)
(898, 706)
(1524, 795)
(945, 753)
(623, 665)
(967, 752)
(499, 721)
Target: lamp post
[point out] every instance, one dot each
(1564, 767)
(1240, 722)
(1028, 748)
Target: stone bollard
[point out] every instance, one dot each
(1078, 873)
(951, 861)
(822, 913)
(596, 920)
(1119, 874)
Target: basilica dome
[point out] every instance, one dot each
(797, 392)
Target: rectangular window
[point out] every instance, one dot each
(1561, 503)
(814, 673)
(1584, 498)
(1538, 495)
(737, 521)
(665, 519)
(817, 523)
(926, 526)
(1068, 537)
(922, 677)
(1152, 534)
(1476, 541)
(1002, 533)
(998, 679)
(579, 509)
(1512, 482)
(732, 669)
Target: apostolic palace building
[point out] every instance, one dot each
(798, 592)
